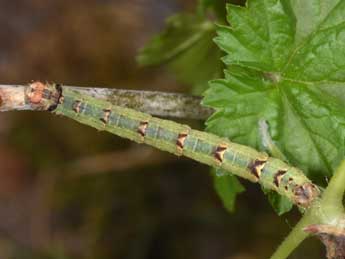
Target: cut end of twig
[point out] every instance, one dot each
(34, 96)
(333, 237)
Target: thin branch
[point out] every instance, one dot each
(176, 105)
(14, 97)
(153, 102)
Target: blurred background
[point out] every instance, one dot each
(69, 191)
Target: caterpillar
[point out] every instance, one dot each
(178, 139)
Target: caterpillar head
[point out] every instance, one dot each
(305, 194)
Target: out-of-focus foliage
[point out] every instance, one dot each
(216, 6)
(186, 45)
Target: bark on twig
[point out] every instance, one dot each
(13, 97)
(176, 105)
(153, 102)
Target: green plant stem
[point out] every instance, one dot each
(295, 237)
(332, 198)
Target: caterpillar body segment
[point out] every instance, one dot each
(180, 139)
(288, 181)
(167, 135)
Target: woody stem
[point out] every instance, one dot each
(156, 103)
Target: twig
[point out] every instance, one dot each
(14, 97)
(153, 102)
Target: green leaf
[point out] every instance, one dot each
(286, 65)
(182, 32)
(186, 46)
(280, 204)
(227, 187)
(199, 64)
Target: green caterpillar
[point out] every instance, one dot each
(178, 139)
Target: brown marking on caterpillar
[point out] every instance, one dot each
(180, 141)
(58, 88)
(106, 116)
(142, 128)
(59, 96)
(278, 177)
(35, 94)
(61, 99)
(55, 96)
(219, 152)
(76, 106)
(256, 167)
(305, 194)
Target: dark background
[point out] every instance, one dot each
(69, 191)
